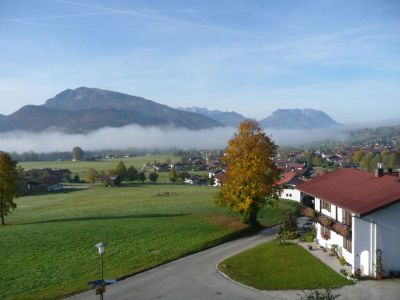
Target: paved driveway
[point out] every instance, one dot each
(195, 277)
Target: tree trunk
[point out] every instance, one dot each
(2, 209)
(253, 217)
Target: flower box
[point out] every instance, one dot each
(342, 229)
(325, 221)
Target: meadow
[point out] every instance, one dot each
(79, 167)
(48, 251)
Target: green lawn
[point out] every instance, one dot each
(47, 249)
(271, 266)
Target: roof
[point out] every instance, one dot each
(48, 181)
(358, 191)
(289, 178)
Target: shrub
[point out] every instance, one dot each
(309, 212)
(342, 261)
(319, 295)
(310, 238)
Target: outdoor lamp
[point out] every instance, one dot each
(101, 247)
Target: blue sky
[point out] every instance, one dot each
(249, 56)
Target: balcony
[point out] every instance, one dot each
(338, 227)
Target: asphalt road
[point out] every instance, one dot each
(191, 277)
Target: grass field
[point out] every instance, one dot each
(47, 250)
(80, 167)
(271, 266)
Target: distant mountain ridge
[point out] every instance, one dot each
(86, 109)
(298, 119)
(228, 118)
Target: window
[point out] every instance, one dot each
(347, 219)
(326, 205)
(347, 244)
(325, 233)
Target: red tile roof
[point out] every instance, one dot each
(357, 191)
(289, 177)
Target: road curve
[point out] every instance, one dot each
(192, 277)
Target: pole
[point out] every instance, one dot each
(102, 276)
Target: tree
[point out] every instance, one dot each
(358, 156)
(173, 176)
(77, 154)
(76, 179)
(288, 229)
(132, 174)
(91, 175)
(183, 175)
(366, 161)
(8, 185)
(374, 161)
(153, 177)
(121, 170)
(249, 180)
(142, 177)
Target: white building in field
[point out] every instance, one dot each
(360, 212)
(288, 183)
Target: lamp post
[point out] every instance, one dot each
(101, 247)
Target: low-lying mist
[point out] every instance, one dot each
(134, 136)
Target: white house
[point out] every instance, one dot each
(360, 212)
(288, 183)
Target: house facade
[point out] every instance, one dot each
(288, 184)
(360, 212)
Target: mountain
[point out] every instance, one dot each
(298, 119)
(87, 109)
(228, 118)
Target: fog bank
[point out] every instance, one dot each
(134, 136)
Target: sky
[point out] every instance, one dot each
(253, 57)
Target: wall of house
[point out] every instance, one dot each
(292, 194)
(334, 237)
(363, 246)
(384, 232)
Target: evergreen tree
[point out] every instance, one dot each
(121, 170)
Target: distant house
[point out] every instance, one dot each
(177, 166)
(49, 184)
(112, 181)
(217, 174)
(360, 212)
(158, 167)
(288, 183)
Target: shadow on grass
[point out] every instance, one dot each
(63, 191)
(99, 218)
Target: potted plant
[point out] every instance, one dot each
(325, 235)
(379, 269)
(357, 273)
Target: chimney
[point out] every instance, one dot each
(380, 170)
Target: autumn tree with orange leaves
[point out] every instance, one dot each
(248, 183)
